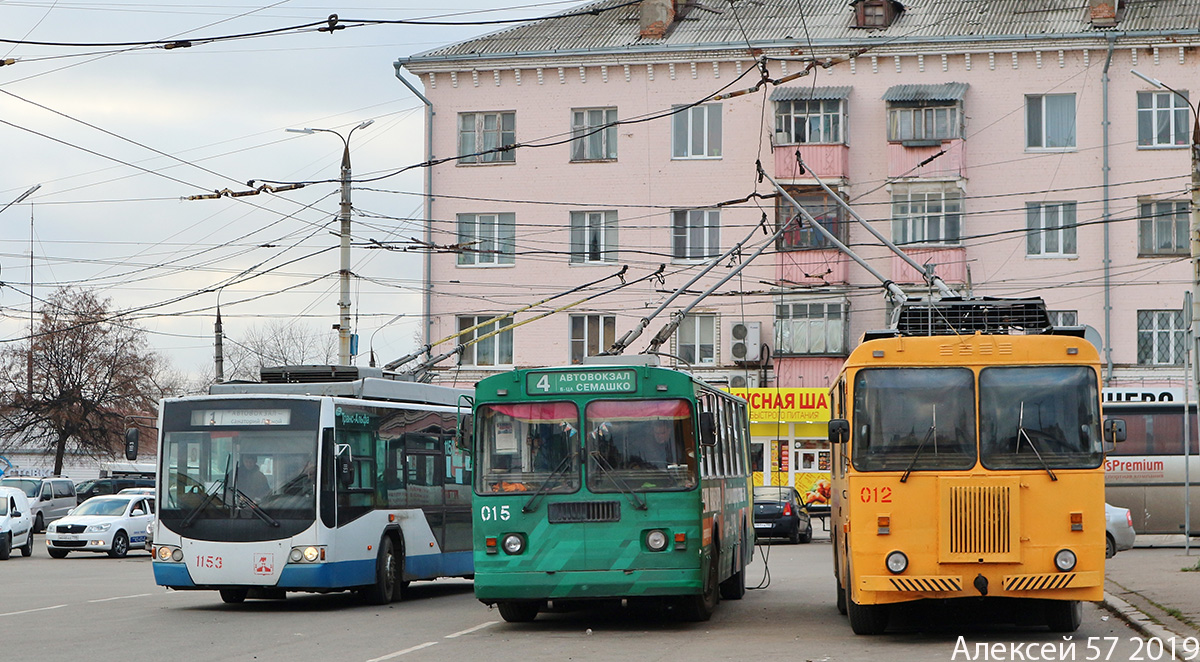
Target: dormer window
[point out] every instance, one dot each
(875, 14)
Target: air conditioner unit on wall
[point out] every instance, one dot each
(745, 342)
(743, 381)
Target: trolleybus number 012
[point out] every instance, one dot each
(875, 494)
(494, 513)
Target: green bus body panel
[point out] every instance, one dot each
(590, 560)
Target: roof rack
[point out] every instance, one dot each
(958, 316)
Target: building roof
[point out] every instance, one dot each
(611, 26)
(943, 92)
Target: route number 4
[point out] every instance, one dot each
(544, 384)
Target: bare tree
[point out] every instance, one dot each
(92, 375)
(278, 342)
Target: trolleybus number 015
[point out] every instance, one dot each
(494, 513)
(875, 494)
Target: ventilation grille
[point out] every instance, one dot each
(584, 511)
(980, 520)
(311, 374)
(952, 316)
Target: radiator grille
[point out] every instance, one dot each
(571, 512)
(980, 519)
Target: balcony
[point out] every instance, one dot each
(951, 264)
(905, 160)
(825, 161)
(815, 268)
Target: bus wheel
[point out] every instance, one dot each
(1063, 615)
(841, 596)
(387, 575)
(698, 608)
(233, 596)
(734, 588)
(866, 619)
(522, 611)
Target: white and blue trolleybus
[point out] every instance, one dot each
(316, 479)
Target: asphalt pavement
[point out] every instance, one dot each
(1156, 588)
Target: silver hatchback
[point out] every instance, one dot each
(1119, 529)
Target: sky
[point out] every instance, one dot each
(118, 136)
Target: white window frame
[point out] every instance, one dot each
(1163, 228)
(924, 122)
(698, 333)
(1060, 318)
(927, 213)
(1050, 229)
(811, 327)
(594, 237)
(696, 132)
(695, 234)
(1037, 132)
(590, 335)
(480, 138)
(1158, 111)
(487, 240)
(595, 134)
(795, 121)
(499, 346)
(1161, 333)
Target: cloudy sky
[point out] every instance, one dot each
(118, 136)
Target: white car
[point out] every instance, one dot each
(109, 523)
(16, 523)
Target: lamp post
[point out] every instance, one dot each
(1194, 243)
(371, 343)
(343, 326)
(29, 359)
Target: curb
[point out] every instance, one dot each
(1139, 621)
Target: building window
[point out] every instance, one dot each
(696, 339)
(591, 335)
(1163, 119)
(911, 121)
(695, 234)
(927, 213)
(489, 352)
(875, 13)
(696, 132)
(478, 133)
(1061, 318)
(810, 328)
(593, 236)
(1050, 121)
(1161, 337)
(1163, 228)
(1050, 228)
(595, 134)
(809, 121)
(486, 239)
(800, 235)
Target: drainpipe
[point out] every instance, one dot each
(1108, 362)
(428, 284)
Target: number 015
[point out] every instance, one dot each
(493, 513)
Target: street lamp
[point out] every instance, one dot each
(371, 343)
(1194, 243)
(343, 326)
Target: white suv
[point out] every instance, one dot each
(16, 525)
(49, 498)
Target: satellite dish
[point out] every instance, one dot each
(1093, 336)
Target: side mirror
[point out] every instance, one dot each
(462, 431)
(131, 444)
(1114, 430)
(839, 431)
(45, 496)
(16, 514)
(708, 429)
(137, 513)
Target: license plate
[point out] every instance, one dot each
(68, 536)
(762, 526)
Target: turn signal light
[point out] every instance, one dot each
(680, 541)
(1076, 521)
(884, 524)
(490, 544)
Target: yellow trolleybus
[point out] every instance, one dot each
(969, 465)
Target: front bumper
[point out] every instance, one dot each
(81, 542)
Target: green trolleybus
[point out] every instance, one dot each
(609, 481)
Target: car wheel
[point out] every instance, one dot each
(1110, 547)
(5, 546)
(39, 524)
(521, 611)
(57, 553)
(233, 596)
(806, 537)
(27, 548)
(795, 537)
(387, 575)
(120, 545)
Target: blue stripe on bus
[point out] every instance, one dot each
(172, 574)
(341, 574)
(448, 564)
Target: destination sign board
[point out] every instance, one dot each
(581, 382)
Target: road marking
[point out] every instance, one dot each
(470, 630)
(389, 656)
(29, 611)
(121, 597)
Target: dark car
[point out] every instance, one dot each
(779, 512)
(97, 486)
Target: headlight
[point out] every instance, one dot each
(310, 554)
(513, 543)
(897, 562)
(1064, 560)
(656, 540)
(97, 528)
(296, 555)
(163, 553)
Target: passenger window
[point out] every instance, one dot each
(64, 489)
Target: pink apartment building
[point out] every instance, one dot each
(1006, 143)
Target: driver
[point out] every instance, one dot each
(657, 449)
(250, 479)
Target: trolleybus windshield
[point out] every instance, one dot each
(919, 419)
(237, 471)
(1039, 416)
(647, 445)
(528, 447)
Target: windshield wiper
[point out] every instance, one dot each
(208, 497)
(1022, 433)
(608, 470)
(256, 509)
(931, 433)
(562, 467)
